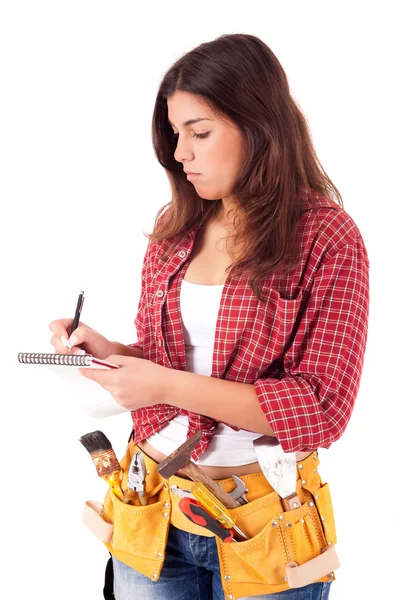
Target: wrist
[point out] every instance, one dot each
(123, 350)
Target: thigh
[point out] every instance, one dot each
(179, 579)
(313, 591)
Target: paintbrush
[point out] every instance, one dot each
(104, 459)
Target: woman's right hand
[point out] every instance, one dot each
(89, 340)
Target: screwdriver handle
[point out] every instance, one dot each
(212, 504)
(195, 512)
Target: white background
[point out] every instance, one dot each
(79, 185)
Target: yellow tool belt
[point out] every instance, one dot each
(283, 549)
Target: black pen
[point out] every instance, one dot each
(77, 314)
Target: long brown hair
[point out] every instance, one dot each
(237, 75)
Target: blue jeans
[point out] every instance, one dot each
(191, 572)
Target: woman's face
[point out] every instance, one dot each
(211, 147)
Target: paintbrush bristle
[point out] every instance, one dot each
(96, 441)
(103, 456)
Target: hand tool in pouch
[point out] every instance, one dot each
(238, 493)
(195, 512)
(104, 459)
(215, 507)
(279, 469)
(180, 460)
(137, 477)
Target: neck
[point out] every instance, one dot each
(222, 218)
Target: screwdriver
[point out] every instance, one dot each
(195, 512)
(214, 507)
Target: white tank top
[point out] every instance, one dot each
(199, 311)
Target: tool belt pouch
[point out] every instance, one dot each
(134, 534)
(284, 549)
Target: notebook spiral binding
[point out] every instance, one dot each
(73, 360)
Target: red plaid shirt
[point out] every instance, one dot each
(303, 349)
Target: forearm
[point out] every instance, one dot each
(124, 350)
(228, 401)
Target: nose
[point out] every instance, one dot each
(183, 151)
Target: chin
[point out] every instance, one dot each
(208, 195)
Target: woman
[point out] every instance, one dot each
(252, 321)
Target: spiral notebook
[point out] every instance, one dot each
(91, 397)
(70, 360)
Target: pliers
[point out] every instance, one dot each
(137, 476)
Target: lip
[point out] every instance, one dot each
(189, 175)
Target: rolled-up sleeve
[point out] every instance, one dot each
(310, 406)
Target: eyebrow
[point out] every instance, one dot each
(191, 121)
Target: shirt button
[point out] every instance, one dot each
(182, 254)
(160, 294)
(160, 343)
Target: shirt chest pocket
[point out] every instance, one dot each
(269, 330)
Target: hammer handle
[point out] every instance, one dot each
(197, 474)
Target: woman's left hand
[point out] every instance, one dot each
(136, 384)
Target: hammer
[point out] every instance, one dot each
(180, 460)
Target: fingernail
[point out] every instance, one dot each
(65, 342)
(78, 351)
(73, 340)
